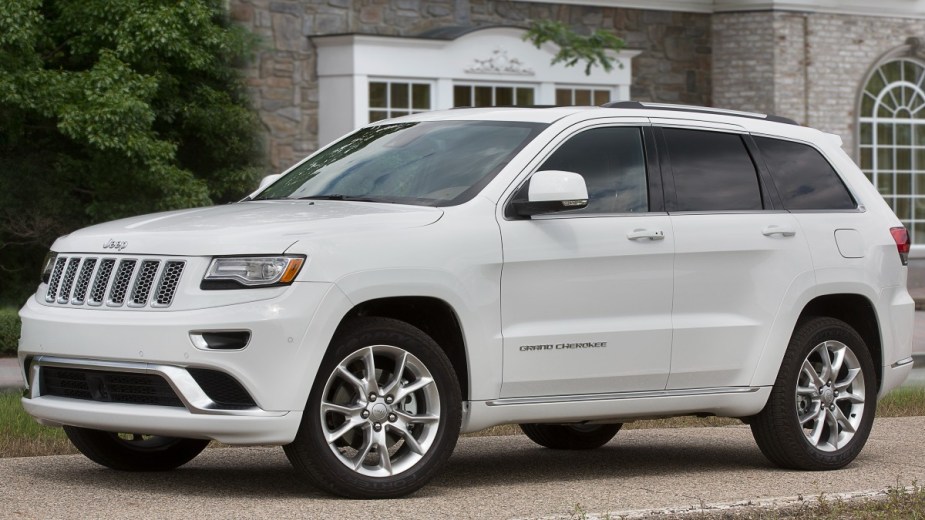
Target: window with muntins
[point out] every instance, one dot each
(582, 96)
(712, 171)
(892, 139)
(478, 95)
(612, 162)
(389, 99)
(804, 179)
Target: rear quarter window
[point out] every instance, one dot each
(803, 177)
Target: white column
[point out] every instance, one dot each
(443, 94)
(546, 94)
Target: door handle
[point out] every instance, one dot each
(639, 234)
(784, 231)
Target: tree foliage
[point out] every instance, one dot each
(574, 47)
(111, 108)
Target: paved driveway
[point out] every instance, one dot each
(500, 477)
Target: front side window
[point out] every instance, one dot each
(436, 163)
(804, 179)
(712, 171)
(613, 165)
(388, 99)
(892, 139)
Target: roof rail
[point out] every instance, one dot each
(703, 110)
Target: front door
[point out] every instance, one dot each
(586, 294)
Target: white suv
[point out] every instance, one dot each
(567, 269)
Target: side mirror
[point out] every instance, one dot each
(266, 181)
(551, 191)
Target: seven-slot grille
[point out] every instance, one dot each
(114, 282)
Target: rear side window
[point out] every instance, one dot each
(803, 177)
(712, 171)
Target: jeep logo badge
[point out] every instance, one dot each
(118, 245)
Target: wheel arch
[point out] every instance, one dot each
(855, 310)
(433, 316)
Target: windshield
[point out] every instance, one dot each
(437, 163)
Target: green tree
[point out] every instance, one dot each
(573, 47)
(110, 108)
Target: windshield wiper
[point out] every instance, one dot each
(337, 196)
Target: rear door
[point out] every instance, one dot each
(737, 252)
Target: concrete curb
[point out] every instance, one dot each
(10, 377)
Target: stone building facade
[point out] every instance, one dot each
(853, 68)
(806, 66)
(674, 66)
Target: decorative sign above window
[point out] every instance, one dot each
(500, 63)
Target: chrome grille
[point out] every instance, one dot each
(167, 287)
(83, 281)
(115, 282)
(55, 280)
(64, 295)
(101, 281)
(120, 283)
(143, 283)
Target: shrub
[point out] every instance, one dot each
(9, 330)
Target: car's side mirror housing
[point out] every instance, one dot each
(266, 181)
(551, 191)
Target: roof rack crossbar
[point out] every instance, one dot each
(704, 110)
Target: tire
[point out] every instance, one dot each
(412, 407)
(134, 452)
(822, 406)
(569, 436)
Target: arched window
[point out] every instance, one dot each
(892, 138)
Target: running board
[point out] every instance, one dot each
(615, 407)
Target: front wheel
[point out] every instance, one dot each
(821, 409)
(383, 415)
(571, 436)
(133, 451)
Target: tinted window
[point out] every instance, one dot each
(712, 171)
(612, 162)
(803, 177)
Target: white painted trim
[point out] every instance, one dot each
(688, 6)
(882, 8)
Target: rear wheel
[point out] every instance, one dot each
(133, 451)
(571, 436)
(383, 415)
(821, 409)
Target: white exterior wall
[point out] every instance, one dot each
(347, 63)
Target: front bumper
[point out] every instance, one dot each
(162, 420)
(276, 368)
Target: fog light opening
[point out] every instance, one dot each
(220, 339)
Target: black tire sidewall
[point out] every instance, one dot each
(312, 453)
(107, 449)
(798, 451)
(566, 437)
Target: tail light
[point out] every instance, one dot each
(901, 237)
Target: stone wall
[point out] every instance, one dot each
(674, 66)
(806, 66)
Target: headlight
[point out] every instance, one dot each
(237, 272)
(48, 266)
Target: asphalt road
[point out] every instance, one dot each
(488, 477)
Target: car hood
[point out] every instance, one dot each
(259, 227)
